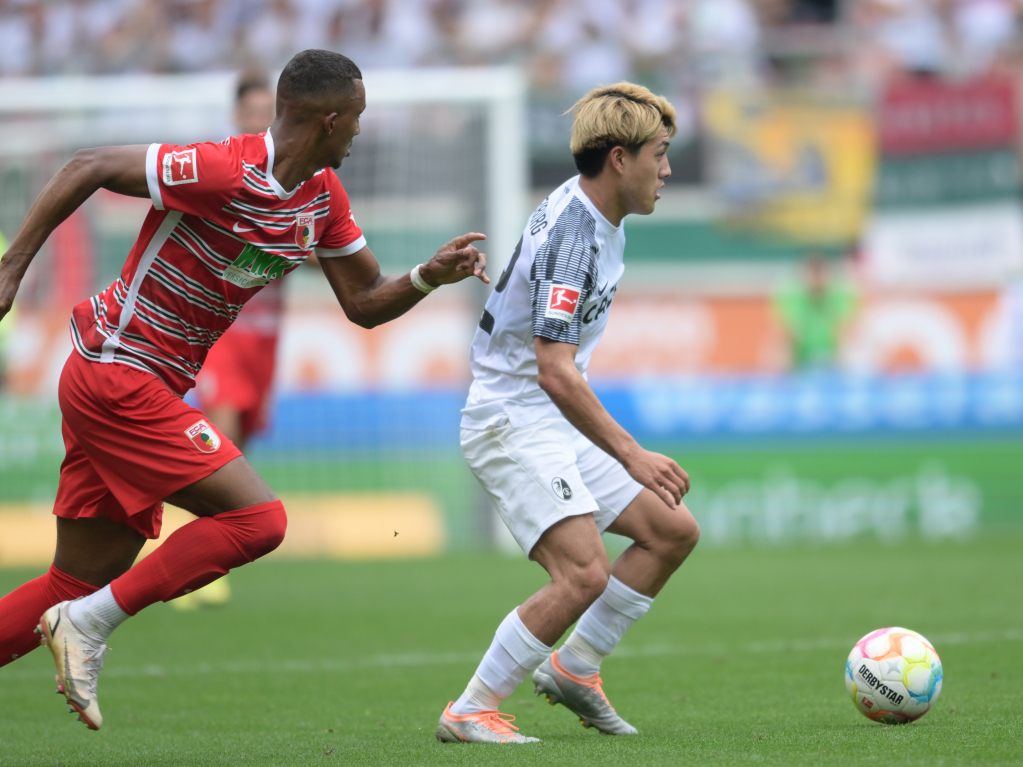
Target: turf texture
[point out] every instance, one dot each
(741, 660)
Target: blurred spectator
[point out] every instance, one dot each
(586, 41)
(390, 33)
(197, 34)
(492, 30)
(905, 34)
(17, 22)
(314, 23)
(813, 313)
(566, 44)
(725, 37)
(983, 29)
(655, 27)
(71, 32)
(272, 33)
(254, 104)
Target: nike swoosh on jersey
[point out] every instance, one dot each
(243, 229)
(601, 291)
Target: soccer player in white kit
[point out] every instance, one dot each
(558, 466)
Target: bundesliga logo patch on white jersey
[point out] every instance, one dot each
(562, 303)
(179, 168)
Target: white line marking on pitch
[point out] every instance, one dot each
(456, 658)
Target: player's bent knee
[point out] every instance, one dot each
(674, 538)
(591, 580)
(257, 530)
(684, 536)
(273, 528)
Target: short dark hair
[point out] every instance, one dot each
(251, 80)
(590, 161)
(313, 74)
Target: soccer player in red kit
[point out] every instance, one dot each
(226, 220)
(234, 384)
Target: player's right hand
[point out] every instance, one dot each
(456, 261)
(661, 475)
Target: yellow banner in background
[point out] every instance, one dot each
(794, 165)
(327, 526)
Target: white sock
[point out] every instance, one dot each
(579, 657)
(98, 614)
(477, 697)
(602, 627)
(512, 655)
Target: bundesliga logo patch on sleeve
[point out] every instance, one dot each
(203, 436)
(562, 303)
(179, 168)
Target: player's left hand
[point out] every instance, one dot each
(456, 261)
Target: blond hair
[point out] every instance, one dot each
(623, 114)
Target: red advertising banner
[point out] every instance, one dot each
(931, 116)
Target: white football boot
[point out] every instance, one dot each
(583, 696)
(78, 658)
(483, 727)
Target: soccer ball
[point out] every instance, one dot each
(893, 675)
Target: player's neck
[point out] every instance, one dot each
(604, 199)
(293, 160)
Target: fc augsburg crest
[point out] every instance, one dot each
(203, 437)
(305, 231)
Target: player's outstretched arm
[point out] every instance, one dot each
(121, 169)
(565, 385)
(370, 299)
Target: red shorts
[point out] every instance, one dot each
(130, 442)
(238, 374)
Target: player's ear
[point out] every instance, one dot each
(616, 157)
(329, 123)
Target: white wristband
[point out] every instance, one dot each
(419, 283)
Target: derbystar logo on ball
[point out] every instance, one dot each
(179, 168)
(562, 303)
(203, 437)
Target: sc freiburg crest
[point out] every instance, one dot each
(561, 488)
(305, 231)
(203, 436)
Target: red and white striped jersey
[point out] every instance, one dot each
(220, 229)
(262, 314)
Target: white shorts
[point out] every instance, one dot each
(541, 473)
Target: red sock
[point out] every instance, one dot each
(199, 553)
(21, 609)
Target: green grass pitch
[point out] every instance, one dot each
(740, 661)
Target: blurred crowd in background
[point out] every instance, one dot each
(564, 44)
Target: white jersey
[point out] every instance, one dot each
(559, 285)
